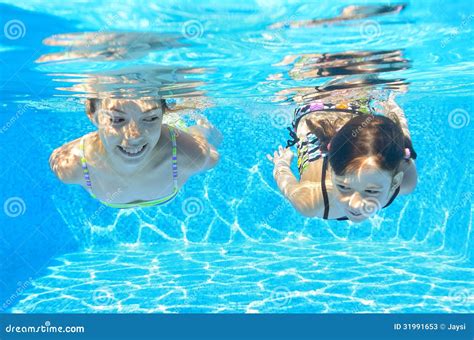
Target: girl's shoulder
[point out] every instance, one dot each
(194, 152)
(65, 161)
(190, 147)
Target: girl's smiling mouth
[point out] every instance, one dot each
(133, 152)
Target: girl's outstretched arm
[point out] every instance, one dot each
(304, 196)
(204, 129)
(199, 145)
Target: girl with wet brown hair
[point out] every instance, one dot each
(352, 162)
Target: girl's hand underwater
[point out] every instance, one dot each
(208, 131)
(281, 157)
(213, 134)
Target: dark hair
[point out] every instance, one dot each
(365, 136)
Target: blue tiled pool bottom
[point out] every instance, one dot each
(291, 277)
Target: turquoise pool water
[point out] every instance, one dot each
(229, 242)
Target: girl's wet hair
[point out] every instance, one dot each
(361, 137)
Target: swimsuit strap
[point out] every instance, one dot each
(291, 142)
(174, 157)
(323, 188)
(395, 194)
(325, 193)
(85, 169)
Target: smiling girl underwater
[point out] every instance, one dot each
(134, 160)
(352, 163)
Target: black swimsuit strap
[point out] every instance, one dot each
(291, 142)
(323, 188)
(395, 194)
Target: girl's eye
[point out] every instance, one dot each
(372, 192)
(150, 119)
(116, 120)
(342, 187)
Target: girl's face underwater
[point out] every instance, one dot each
(362, 193)
(129, 130)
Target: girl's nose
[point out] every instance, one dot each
(355, 201)
(132, 131)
